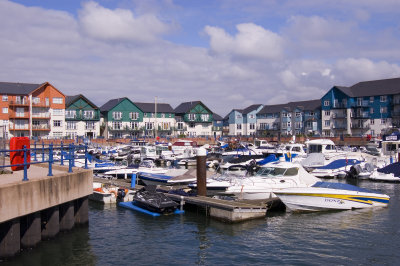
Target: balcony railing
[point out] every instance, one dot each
(19, 127)
(357, 126)
(339, 105)
(19, 102)
(83, 117)
(18, 115)
(41, 127)
(41, 115)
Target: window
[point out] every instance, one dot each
(344, 102)
(70, 113)
(192, 125)
(71, 125)
(145, 115)
(289, 124)
(327, 113)
(20, 112)
(57, 134)
(58, 100)
(57, 123)
(162, 115)
(372, 121)
(383, 110)
(35, 100)
(180, 126)
(373, 132)
(327, 123)
(165, 126)
(251, 116)
(5, 98)
(117, 125)
(371, 110)
(327, 103)
(58, 111)
(149, 126)
(284, 114)
(383, 121)
(371, 99)
(312, 113)
(252, 126)
(192, 117)
(89, 125)
(298, 125)
(359, 101)
(117, 115)
(5, 110)
(298, 114)
(205, 117)
(88, 114)
(238, 116)
(239, 126)
(383, 98)
(134, 125)
(309, 124)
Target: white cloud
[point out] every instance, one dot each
(250, 41)
(119, 24)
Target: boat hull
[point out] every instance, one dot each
(322, 199)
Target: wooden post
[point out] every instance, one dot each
(201, 172)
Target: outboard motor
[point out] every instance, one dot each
(121, 195)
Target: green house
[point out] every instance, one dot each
(122, 118)
(82, 117)
(194, 119)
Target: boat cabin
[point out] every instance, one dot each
(324, 146)
(391, 144)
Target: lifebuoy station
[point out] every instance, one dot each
(38, 199)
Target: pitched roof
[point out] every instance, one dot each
(111, 104)
(373, 88)
(251, 108)
(71, 99)
(217, 117)
(187, 106)
(305, 105)
(272, 109)
(18, 88)
(150, 107)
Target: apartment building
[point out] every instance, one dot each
(193, 119)
(158, 119)
(32, 110)
(366, 108)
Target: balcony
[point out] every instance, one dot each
(338, 126)
(339, 106)
(41, 115)
(358, 126)
(339, 116)
(18, 127)
(43, 127)
(360, 104)
(22, 102)
(15, 115)
(85, 118)
(364, 115)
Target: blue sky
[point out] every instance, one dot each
(228, 53)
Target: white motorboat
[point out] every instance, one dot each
(169, 178)
(271, 176)
(336, 168)
(330, 196)
(105, 193)
(389, 173)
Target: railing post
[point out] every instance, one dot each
(50, 160)
(73, 154)
(62, 156)
(25, 165)
(86, 157)
(69, 159)
(35, 151)
(42, 151)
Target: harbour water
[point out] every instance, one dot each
(118, 236)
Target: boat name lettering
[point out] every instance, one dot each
(334, 200)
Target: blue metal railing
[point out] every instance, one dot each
(51, 148)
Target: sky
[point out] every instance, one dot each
(229, 54)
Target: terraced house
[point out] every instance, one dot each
(82, 117)
(158, 118)
(193, 119)
(32, 110)
(293, 118)
(121, 118)
(367, 107)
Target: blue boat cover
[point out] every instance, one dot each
(393, 168)
(151, 176)
(268, 159)
(342, 186)
(336, 164)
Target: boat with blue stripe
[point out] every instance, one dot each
(331, 196)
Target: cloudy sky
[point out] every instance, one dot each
(226, 53)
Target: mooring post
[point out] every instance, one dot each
(201, 172)
(73, 154)
(42, 151)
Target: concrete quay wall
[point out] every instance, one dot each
(43, 206)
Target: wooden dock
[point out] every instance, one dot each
(225, 210)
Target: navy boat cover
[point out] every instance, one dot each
(393, 168)
(336, 164)
(342, 186)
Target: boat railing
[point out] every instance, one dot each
(31, 156)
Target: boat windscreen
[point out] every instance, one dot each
(277, 171)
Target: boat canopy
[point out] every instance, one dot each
(342, 186)
(336, 164)
(393, 168)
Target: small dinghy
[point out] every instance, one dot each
(148, 198)
(389, 173)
